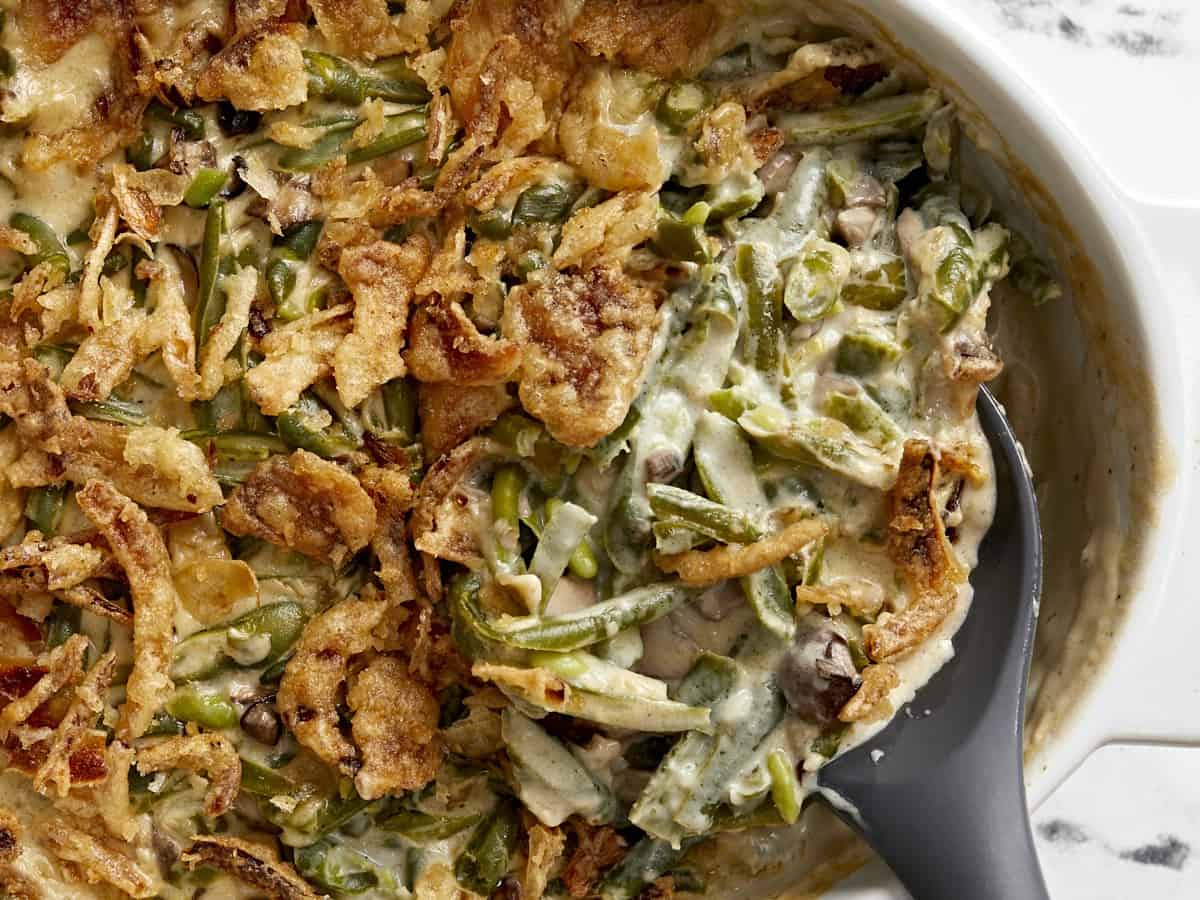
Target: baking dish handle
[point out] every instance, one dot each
(1154, 695)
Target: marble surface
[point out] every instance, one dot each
(1125, 75)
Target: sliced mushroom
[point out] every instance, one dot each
(817, 674)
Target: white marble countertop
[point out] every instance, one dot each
(1125, 75)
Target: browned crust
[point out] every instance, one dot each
(304, 503)
(451, 413)
(255, 864)
(922, 555)
(447, 346)
(138, 546)
(870, 701)
(667, 38)
(99, 859)
(31, 398)
(442, 519)
(75, 727)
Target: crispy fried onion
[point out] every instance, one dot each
(169, 327)
(255, 864)
(138, 546)
(608, 230)
(584, 340)
(608, 131)
(381, 276)
(312, 683)
(596, 849)
(37, 565)
(358, 27)
(60, 667)
(446, 346)
(298, 353)
(303, 503)
(452, 496)
(151, 465)
(707, 567)
(262, 69)
(924, 558)
(451, 413)
(667, 38)
(815, 74)
(140, 196)
(10, 838)
(12, 498)
(392, 493)
(870, 702)
(395, 725)
(240, 289)
(211, 754)
(76, 727)
(545, 850)
(30, 397)
(100, 859)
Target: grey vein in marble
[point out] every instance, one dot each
(1130, 28)
(1168, 852)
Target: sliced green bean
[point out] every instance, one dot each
(62, 623)
(878, 280)
(683, 237)
(785, 787)
(551, 782)
(296, 429)
(259, 637)
(869, 120)
(815, 280)
(44, 507)
(333, 77)
(122, 412)
(682, 103)
(647, 861)
(702, 515)
(864, 417)
(208, 302)
(425, 828)
(484, 861)
(204, 187)
(864, 353)
(547, 203)
(734, 196)
(399, 132)
(209, 710)
(764, 301)
(566, 530)
(263, 782)
(50, 247)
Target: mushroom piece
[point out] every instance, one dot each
(817, 674)
(261, 722)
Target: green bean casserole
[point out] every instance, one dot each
(469, 448)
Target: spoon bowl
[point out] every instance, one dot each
(944, 804)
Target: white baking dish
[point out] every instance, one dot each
(1101, 389)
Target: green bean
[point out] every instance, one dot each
(302, 239)
(237, 445)
(296, 429)
(342, 871)
(864, 417)
(62, 622)
(647, 861)
(333, 77)
(551, 782)
(424, 828)
(204, 187)
(730, 402)
(396, 90)
(507, 485)
(702, 515)
(802, 206)
(308, 159)
(826, 743)
(137, 284)
(726, 467)
(869, 120)
(113, 263)
(764, 301)
(574, 630)
(44, 507)
(819, 441)
(259, 637)
(683, 237)
(785, 787)
(565, 532)
(144, 151)
(263, 782)
(484, 861)
(122, 412)
(400, 407)
(864, 353)
(734, 196)
(682, 103)
(399, 131)
(165, 724)
(50, 248)
(545, 203)
(496, 224)
(206, 709)
(208, 302)
(878, 280)
(815, 281)
(189, 121)
(8, 65)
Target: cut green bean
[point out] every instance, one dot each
(683, 237)
(551, 782)
(426, 828)
(398, 132)
(815, 281)
(734, 196)
(566, 528)
(122, 412)
(62, 622)
(864, 353)
(484, 861)
(331, 76)
(878, 280)
(50, 247)
(864, 417)
(682, 103)
(257, 638)
(208, 302)
(204, 187)
(296, 428)
(869, 120)
(764, 301)
(785, 787)
(44, 507)
(545, 203)
(263, 782)
(702, 515)
(647, 861)
(209, 710)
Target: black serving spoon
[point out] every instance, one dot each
(945, 803)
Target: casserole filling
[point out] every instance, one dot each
(491, 449)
